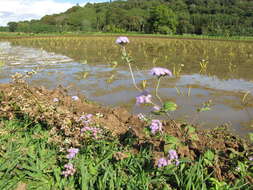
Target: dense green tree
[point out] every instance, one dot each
(162, 20)
(12, 26)
(4, 29)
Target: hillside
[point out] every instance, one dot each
(203, 17)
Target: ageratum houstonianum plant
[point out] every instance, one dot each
(69, 170)
(123, 41)
(155, 126)
(144, 97)
(72, 153)
(172, 158)
(159, 73)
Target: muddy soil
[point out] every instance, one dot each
(60, 113)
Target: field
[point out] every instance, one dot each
(62, 138)
(134, 34)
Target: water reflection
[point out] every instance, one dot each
(93, 73)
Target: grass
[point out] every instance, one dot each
(28, 158)
(133, 34)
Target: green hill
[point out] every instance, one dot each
(206, 17)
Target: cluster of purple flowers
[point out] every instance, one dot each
(69, 170)
(72, 153)
(122, 40)
(144, 98)
(93, 130)
(158, 71)
(162, 162)
(156, 126)
(86, 119)
(172, 158)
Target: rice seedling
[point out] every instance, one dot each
(110, 79)
(245, 96)
(203, 65)
(177, 70)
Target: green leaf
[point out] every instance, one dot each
(190, 129)
(169, 106)
(204, 109)
(92, 170)
(251, 137)
(171, 139)
(209, 155)
(194, 137)
(158, 112)
(171, 142)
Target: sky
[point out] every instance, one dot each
(18, 10)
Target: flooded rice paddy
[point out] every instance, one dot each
(220, 71)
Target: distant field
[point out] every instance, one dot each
(185, 36)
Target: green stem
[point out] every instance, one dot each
(156, 93)
(156, 90)
(125, 56)
(132, 75)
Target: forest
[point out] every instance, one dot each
(200, 17)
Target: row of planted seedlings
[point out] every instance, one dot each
(205, 54)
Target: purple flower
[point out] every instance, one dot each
(156, 108)
(69, 170)
(86, 129)
(143, 98)
(88, 116)
(93, 130)
(162, 162)
(177, 162)
(172, 159)
(55, 100)
(122, 40)
(251, 158)
(85, 118)
(155, 126)
(75, 98)
(158, 71)
(173, 155)
(72, 152)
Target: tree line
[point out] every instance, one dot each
(203, 17)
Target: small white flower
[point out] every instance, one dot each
(55, 100)
(75, 98)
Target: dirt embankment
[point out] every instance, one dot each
(61, 115)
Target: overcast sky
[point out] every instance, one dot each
(17, 10)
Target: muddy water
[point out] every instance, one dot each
(92, 66)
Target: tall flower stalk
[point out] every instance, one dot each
(122, 41)
(159, 73)
(156, 90)
(145, 97)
